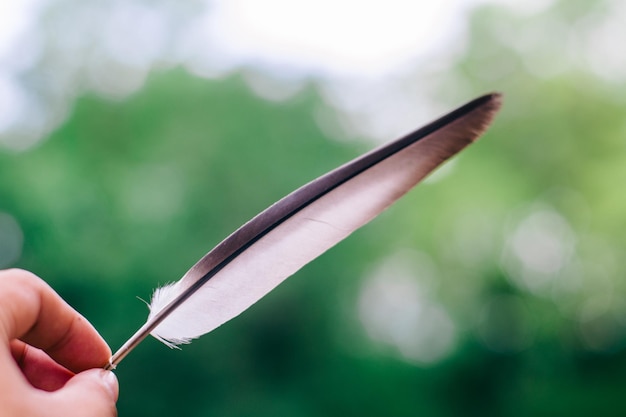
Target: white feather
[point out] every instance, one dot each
(274, 245)
(294, 243)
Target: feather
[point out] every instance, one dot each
(282, 239)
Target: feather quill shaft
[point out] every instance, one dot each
(298, 228)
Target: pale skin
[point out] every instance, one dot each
(51, 357)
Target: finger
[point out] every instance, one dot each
(14, 387)
(39, 369)
(33, 312)
(92, 392)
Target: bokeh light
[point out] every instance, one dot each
(11, 240)
(397, 308)
(540, 246)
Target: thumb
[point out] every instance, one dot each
(90, 393)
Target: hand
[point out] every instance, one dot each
(47, 352)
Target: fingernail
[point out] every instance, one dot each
(110, 381)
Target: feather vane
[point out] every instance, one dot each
(300, 227)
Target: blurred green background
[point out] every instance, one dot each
(495, 288)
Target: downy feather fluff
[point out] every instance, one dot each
(282, 239)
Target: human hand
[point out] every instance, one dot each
(47, 354)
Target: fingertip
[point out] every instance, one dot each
(96, 390)
(110, 382)
(106, 379)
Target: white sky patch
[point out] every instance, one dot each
(11, 102)
(527, 7)
(16, 16)
(364, 53)
(602, 46)
(329, 37)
